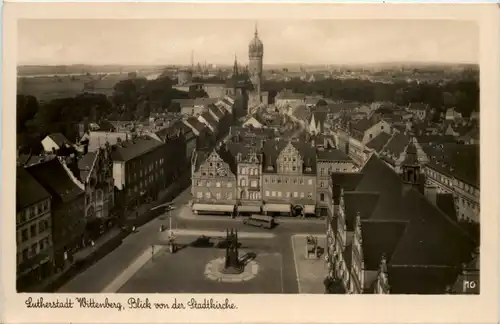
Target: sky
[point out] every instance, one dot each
(151, 42)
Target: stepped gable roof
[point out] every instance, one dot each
(201, 157)
(379, 141)
(56, 180)
(431, 238)
(28, 190)
(273, 148)
(332, 154)
(227, 157)
(85, 164)
(130, 149)
(380, 238)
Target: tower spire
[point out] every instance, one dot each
(256, 30)
(235, 67)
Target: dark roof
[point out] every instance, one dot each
(396, 144)
(345, 181)
(128, 150)
(319, 116)
(379, 141)
(210, 119)
(358, 202)
(362, 125)
(198, 125)
(431, 238)
(332, 154)
(227, 157)
(417, 106)
(56, 180)
(457, 160)
(85, 164)
(420, 280)
(245, 150)
(410, 155)
(380, 238)
(201, 157)
(216, 111)
(28, 190)
(59, 139)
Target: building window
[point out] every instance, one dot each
(25, 254)
(294, 168)
(267, 193)
(309, 195)
(33, 230)
(322, 171)
(254, 183)
(279, 193)
(266, 180)
(322, 197)
(322, 184)
(229, 184)
(229, 195)
(301, 181)
(295, 194)
(217, 195)
(209, 183)
(243, 183)
(273, 193)
(199, 194)
(217, 184)
(310, 182)
(273, 180)
(34, 248)
(301, 195)
(287, 194)
(24, 235)
(207, 195)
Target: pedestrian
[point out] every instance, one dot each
(133, 228)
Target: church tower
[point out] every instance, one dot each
(410, 168)
(255, 56)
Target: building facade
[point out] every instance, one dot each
(138, 171)
(67, 207)
(35, 255)
(289, 178)
(213, 177)
(249, 180)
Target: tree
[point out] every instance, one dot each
(333, 286)
(27, 107)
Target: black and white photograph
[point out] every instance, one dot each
(216, 162)
(247, 155)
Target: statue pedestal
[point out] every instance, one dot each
(232, 264)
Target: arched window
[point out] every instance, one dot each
(243, 194)
(243, 183)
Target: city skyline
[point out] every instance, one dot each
(102, 42)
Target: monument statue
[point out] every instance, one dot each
(232, 263)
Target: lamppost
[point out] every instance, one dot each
(171, 238)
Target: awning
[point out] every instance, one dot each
(216, 208)
(249, 209)
(310, 209)
(279, 208)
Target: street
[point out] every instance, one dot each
(102, 273)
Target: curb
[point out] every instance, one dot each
(183, 232)
(132, 269)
